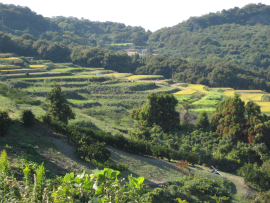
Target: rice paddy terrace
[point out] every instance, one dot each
(103, 99)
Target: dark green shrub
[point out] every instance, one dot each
(119, 167)
(5, 122)
(96, 151)
(46, 119)
(27, 118)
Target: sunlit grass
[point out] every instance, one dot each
(229, 93)
(10, 58)
(135, 77)
(8, 66)
(223, 88)
(253, 97)
(249, 91)
(10, 70)
(59, 77)
(63, 69)
(198, 87)
(117, 74)
(208, 110)
(265, 106)
(37, 66)
(185, 92)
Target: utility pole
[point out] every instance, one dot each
(50, 25)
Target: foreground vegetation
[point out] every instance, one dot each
(162, 121)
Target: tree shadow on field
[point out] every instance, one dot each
(153, 170)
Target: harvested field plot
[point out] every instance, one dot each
(253, 97)
(117, 74)
(265, 106)
(249, 91)
(37, 66)
(10, 58)
(199, 88)
(185, 92)
(229, 93)
(137, 77)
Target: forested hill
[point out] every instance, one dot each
(19, 20)
(236, 35)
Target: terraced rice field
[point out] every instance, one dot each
(265, 106)
(10, 70)
(222, 88)
(229, 93)
(185, 92)
(249, 91)
(199, 88)
(37, 66)
(7, 66)
(253, 97)
(117, 74)
(136, 77)
(10, 58)
(59, 77)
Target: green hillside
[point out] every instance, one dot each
(236, 35)
(186, 120)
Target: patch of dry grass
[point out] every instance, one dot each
(185, 92)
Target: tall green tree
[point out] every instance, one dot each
(5, 123)
(203, 120)
(229, 118)
(159, 110)
(59, 108)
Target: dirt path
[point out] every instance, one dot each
(64, 156)
(240, 190)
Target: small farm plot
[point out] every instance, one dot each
(253, 97)
(265, 106)
(118, 74)
(145, 77)
(206, 109)
(210, 100)
(37, 66)
(186, 92)
(64, 78)
(229, 93)
(198, 88)
(249, 91)
(83, 103)
(10, 58)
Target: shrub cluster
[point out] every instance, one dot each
(79, 135)
(5, 122)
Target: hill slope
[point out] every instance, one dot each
(236, 35)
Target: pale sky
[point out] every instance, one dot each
(149, 14)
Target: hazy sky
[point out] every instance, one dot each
(150, 14)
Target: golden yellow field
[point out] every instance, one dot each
(117, 74)
(249, 91)
(253, 97)
(10, 58)
(229, 93)
(145, 76)
(223, 88)
(185, 92)
(37, 66)
(16, 70)
(7, 66)
(198, 87)
(265, 106)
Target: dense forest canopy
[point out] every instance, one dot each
(237, 35)
(18, 20)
